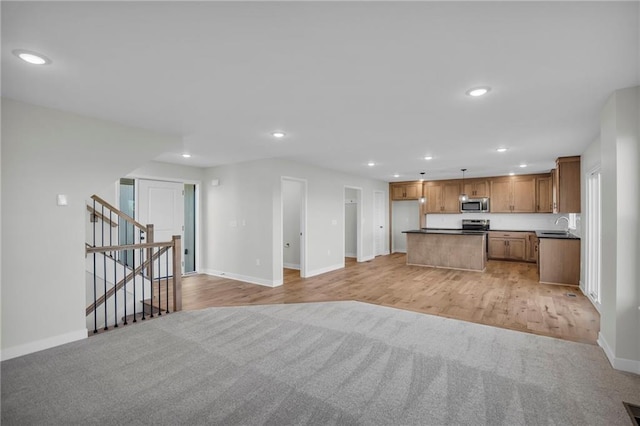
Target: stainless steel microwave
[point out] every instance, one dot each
(475, 205)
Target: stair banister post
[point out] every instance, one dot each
(149, 238)
(177, 273)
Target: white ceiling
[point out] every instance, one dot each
(349, 82)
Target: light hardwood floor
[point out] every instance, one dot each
(506, 294)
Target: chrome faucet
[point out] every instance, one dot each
(565, 218)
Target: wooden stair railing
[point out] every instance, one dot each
(154, 252)
(95, 216)
(126, 279)
(117, 212)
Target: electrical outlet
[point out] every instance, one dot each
(257, 262)
(329, 252)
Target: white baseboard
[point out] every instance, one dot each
(400, 250)
(366, 258)
(292, 265)
(244, 278)
(350, 255)
(324, 270)
(40, 345)
(622, 364)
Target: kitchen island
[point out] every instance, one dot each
(447, 248)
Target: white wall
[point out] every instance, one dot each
(156, 170)
(405, 216)
(291, 208)
(620, 156)
(1, 260)
(499, 221)
(244, 218)
(47, 152)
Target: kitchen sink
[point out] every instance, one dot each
(555, 234)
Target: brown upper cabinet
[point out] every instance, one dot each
(514, 194)
(476, 188)
(566, 194)
(406, 190)
(544, 194)
(556, 192)
(442, 196)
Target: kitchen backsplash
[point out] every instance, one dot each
(506, 222)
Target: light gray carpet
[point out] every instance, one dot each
(315, 363)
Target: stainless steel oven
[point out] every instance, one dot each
(482, 225)
(477, 226)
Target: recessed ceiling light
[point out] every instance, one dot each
(396, 175)
(478, 91)
(185, 155)
(278, 135)
(371, 164)
(32, 57)
(428, 157)
(501, 149)
(523, 165)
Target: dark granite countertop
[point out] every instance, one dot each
(510, 230)
(556, 235)
(444, 231)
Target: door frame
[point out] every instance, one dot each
(358, 190)
(592, 245)
(195, 231)
(303, 228)
(198, 185)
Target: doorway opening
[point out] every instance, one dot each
(171, 206)
(352, 223)
(189, 243)
(294, 217)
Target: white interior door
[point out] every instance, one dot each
(378, 223)
(162, 205)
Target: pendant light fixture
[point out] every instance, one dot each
(422, 198)
(463, 197)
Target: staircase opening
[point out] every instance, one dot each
(129, 272)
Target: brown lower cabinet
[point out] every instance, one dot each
(532, 247)
(559, 261)
(507, 245)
